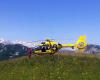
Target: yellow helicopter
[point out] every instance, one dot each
(51, 47)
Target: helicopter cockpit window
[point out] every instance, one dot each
(38, 48)
(42, 42)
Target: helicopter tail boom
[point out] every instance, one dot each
(80, 43)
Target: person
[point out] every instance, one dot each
(29, 53)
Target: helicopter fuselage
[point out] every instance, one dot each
(48, 47)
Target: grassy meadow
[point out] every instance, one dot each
(52, 67)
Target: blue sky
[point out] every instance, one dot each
(63, 20)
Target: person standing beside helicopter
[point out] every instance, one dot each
(29, 53)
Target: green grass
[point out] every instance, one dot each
(56, 67)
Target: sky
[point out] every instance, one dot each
(62, 20)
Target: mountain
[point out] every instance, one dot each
(93, 49)
(25, 43)
(12, 50)
(5, 41)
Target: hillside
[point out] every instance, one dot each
(9, 51)
(56, 67)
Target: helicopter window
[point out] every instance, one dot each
(47, 47)
(43, 49)
(42, 42)
(38, 48)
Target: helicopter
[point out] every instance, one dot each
(51, 47)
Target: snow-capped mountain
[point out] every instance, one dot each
(5, 41)
(24, 43)
(12, 50)
(1, 40)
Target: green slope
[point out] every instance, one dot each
(56, 67)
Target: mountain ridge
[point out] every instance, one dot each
(11, 49)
